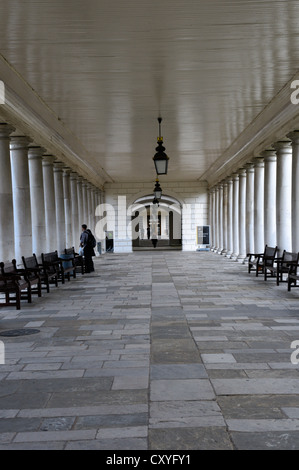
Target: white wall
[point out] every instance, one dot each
(193, 197)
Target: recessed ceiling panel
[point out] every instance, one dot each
(108, 69)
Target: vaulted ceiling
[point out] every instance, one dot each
(87, 79)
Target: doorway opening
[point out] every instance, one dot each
(156, 226)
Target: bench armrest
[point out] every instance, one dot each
(10, 277)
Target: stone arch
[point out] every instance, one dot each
(152, 222)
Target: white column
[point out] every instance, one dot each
(80, 203)
(235, 216)
(67, 207)
(210, 216)
(220, 218)
(294, 136)
(242, 215)
(21, 196)
(229, 217)
(93, 208)
(270, 197)
(259, 242)
(59, 203)
(89, 206)
(49, 201)
(284, 195)
(38, 220)
(7, 245)
(213, 220)
(216, 218)
(224, 219)
(250, 208)
(75, 211)
(85, 202)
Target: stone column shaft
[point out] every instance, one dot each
(284, 196)
(235, 216)
(294, 136)
(270, 197)
(242, 215)
(75, 214)
(21, 196)
(259, 242)
(224, 219)
(250, 208)
(229, 217)
(85, 202)
(80, 202)
(37, 200)
(7, 245)
(49, 201)
(220, 218)
(59, 203)
(67, 208)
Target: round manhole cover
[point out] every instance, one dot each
(20, 332)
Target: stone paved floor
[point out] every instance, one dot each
(165, 350)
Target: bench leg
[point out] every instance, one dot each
(39, 289)
(18, 300)
(29, 294)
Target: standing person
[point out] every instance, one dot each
(86, 243)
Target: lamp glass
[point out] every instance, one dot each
(161, 166)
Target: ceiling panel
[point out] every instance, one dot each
(107, 69)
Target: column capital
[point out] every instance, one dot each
(6, 130)
(258, 162)
(35, 152)
(66, 171)
(19, 142)
(48, 160)
(58, 166)
(283, 146)
(74, 175)
(269, 155)
(249, 167)
(294, 136)
(242, 172)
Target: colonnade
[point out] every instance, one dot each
(259, 203)
(43, 203)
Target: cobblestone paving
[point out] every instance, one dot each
(155, 350)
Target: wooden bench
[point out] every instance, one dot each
(13, 283)
(259, 261)
(54, 263)
(281, 266)
(293, 275)
(47, 276)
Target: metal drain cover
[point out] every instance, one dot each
(20, 332)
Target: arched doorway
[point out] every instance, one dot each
(156, 226)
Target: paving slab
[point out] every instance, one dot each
(152, 352)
